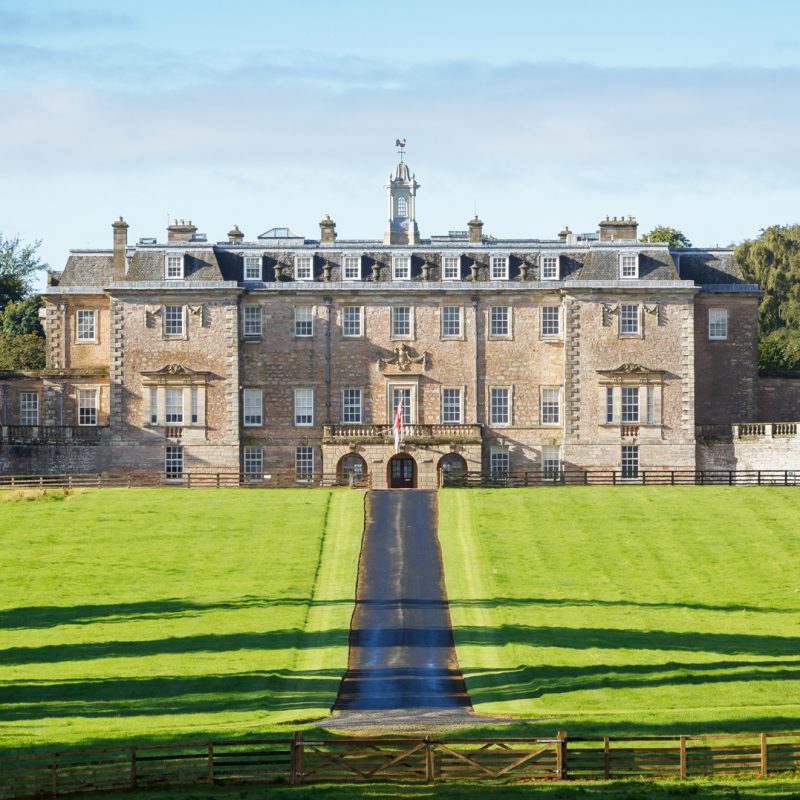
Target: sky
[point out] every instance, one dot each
(263, 114)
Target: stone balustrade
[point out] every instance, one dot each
(336, 434)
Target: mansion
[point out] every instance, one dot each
(285, 357)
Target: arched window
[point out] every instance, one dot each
(402, 207)
(352, 466)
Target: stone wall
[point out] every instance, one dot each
(767, 451)
(49, 459)
(779, 399)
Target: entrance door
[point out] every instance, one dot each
(402, 472)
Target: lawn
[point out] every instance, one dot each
(627, 610)
(140, 614)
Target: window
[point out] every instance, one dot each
(401, 396)
(499, 321)
(609, 405)
(401, 268)
(628, 265)
(549, 268)
(451, 321)
(651, 405)
(629, 320)
(401, 322)
(173, 269)
(173, 461)
(173, 402)
(630, 404)
(551, 321)
(87, 406)
(499, 406)
(173, 320)
(402, 207)
(194, 405)
(252, 268)
(499, 462)
(252, 407)
(452, 406)
(352, 317)
(303, 321)
(303, 407)
(304, 463)
(718, 323)
(551, 406)
(499, 268)
(551, 462)
(351, 406)
(630, 461)
(252, 321)
(303, 268)
(351, 268)
(451, 268)
(28, 408)
(253, 462)
(153, 405)
(86, 329)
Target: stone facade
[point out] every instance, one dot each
(283, 356)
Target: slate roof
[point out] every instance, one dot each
(198, 265)
(87, 269)
(602, 264)
(710, 267)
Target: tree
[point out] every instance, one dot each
(22, 352)
(22, 317)
(672, 236)
(18, 264)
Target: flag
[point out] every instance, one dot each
(397, 428)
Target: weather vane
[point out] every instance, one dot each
(401, 145)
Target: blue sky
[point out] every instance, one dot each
(264, 113)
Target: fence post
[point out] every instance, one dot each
(764, 766)
(606, 757)
(133, 768)
(672, 477)
(683, 757)
(54, 775)
(218, 480)
(296, 759)
(759, 477)
(211, 762)
(430, 761)
(730, 477)
(188, 480)
(644, 477)
(613, 477)
(561, 756)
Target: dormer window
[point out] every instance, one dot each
(173, 267)
(499, 268)
(303, 268)
(628, 266)
(451, 268)
(351, 268)
(401, 268)
(550, 268)
(252, 268)
(402, 207)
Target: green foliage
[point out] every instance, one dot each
(672, 236)
(18, 264)
(21, 317)
(23, 352)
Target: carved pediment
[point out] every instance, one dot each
(174, 373)
(632, 371)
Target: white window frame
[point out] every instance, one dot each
(393, 314)
(298, 321)
(153, 416)
(718, 328)
(253, 461)
(401, 207)
(173, 414)
(550, 334)
(629, 461)
(546, 265)
(252, 407)
(87, 407)
(508, 322)
(304, 407)
(81, 326)
(174, 266)
(29, 408)
(457, 275)
(447, 409)
(401, 267)
(194, 405)
(498, 267)
(352, 413)
(175, 334)
(509, 395)
(253, 264)
(445, 312)
(609, 405)
(359, 318)
(304, 456)
(497, 456)
(174, 464)
(628, 266)
(629, 411)
(549, 408)
(304, 267)
(551, 462)
(638, 318)
(650, 407)
(391, 405)
(357, 275)
(251, 328)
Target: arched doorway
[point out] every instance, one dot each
(401, 472)
(351, 468)
(451, 465)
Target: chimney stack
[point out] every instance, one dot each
(563, 235)
(327, 230)
(181, 230)
(475, 230)
(235, 235)
(120, 247)
(622, 229)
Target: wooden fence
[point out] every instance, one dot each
(601, 477)
(347, 760)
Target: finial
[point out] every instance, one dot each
(401, 148)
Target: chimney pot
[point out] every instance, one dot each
(475, 227)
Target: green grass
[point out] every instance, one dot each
(627, 610)
(141, 614)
